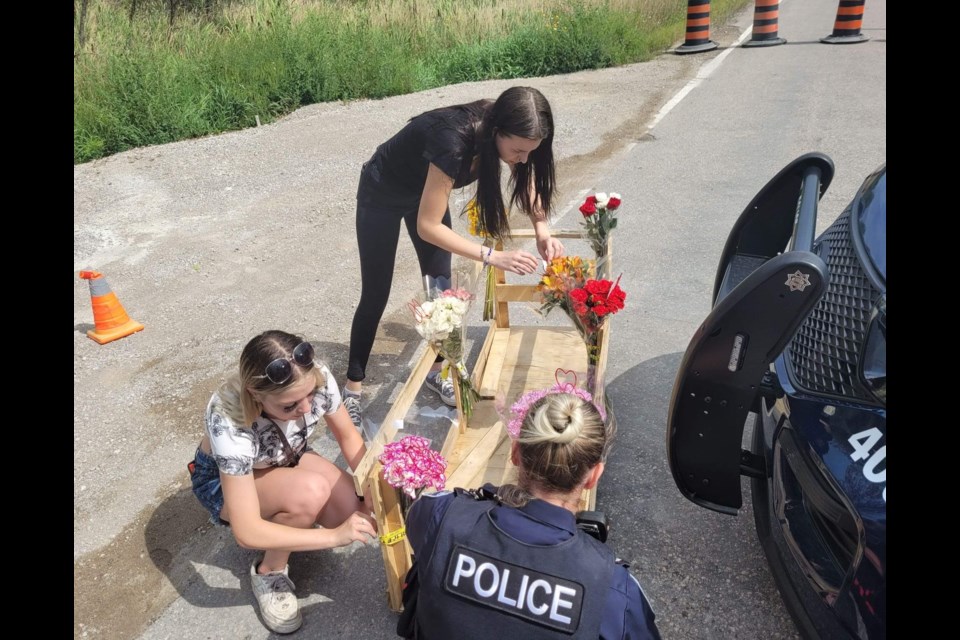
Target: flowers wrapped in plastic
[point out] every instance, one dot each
(568, 283)
(475, 228)
(439, 319)
(599, 219)
(409, 464)
(559, 275)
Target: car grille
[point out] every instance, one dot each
(823, 356)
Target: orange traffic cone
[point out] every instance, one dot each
(111, 321)
(698, 28)
(846, 28)
(766, 17)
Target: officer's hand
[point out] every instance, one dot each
(521, 262)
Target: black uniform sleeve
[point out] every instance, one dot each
(639, 616)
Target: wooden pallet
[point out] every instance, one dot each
(511, 361)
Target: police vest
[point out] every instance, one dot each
(481, 583)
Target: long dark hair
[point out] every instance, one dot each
(523, 112)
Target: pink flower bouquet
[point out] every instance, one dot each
(409, 464)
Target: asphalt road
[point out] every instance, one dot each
(208, 242)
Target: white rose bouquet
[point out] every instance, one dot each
(440, 321)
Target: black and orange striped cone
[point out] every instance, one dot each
(698, 28)
(846, 28)
(766, 21)
(109, 317)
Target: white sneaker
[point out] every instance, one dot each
(278, 603)
(443, 387)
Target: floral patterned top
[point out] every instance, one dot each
(240, 449)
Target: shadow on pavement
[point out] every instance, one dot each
(210, 574)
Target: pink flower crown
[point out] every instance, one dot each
(520, 408)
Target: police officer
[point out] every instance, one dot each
(510, 562)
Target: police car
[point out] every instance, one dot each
(784, 382)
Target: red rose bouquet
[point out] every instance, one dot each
(599, 219)
(568, 284)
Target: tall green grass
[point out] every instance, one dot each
(145, 74)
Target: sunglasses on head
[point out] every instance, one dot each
(280, 370)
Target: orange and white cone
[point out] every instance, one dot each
(109, 317)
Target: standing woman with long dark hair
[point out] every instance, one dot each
(410, 178)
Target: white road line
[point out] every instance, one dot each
(702, 74)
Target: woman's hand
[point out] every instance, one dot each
(358, 527)
(519, 261)
(549, 248)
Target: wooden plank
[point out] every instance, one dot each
(478, 458)
(481, 364)
(499, 469)
(501, 309)
(533, 356)
(398, 557)
(526, 234)
(401, 405)
(491, 373)
(453, 435)
(588, 500)
(461, 447)
(457, 449)
(517, 293)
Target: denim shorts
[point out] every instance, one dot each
(205, 478)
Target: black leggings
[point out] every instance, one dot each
(378, 232)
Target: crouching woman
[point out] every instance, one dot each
(255, 471)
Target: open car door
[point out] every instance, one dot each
(762, 295)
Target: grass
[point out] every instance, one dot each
(146, 76)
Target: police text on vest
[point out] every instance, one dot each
(519, 591)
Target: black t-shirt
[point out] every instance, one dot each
(445, 137)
